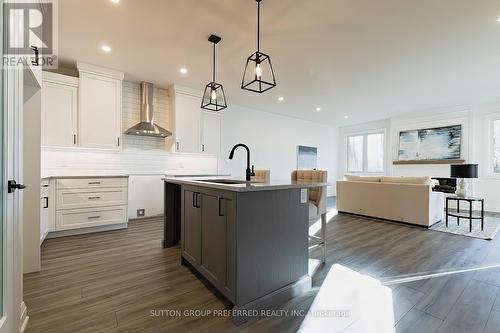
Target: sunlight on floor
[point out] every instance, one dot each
(350, 302)
(316, 226)
(430, 275)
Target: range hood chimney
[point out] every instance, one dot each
(147, 127)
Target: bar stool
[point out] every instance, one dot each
(261, 176)
(317, 203)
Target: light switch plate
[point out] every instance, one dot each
(303, 195)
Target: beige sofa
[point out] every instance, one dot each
(402, 199)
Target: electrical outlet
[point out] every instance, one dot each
(303, 195)
(141, 212)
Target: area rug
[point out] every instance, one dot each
(491, 227)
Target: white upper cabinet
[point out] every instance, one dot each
(185, 114)
(194, 130)
(211, 126)
(59, 119)
(100, 100)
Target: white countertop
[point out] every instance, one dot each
(245, 187)
(86, 176)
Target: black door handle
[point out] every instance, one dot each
(12, 186)
(46, 204)
(198, 205)
(220, 206)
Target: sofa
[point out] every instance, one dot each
(402, 199)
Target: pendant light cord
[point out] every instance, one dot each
(213, 76)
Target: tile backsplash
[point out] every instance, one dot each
(131, 115)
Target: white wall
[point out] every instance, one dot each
(475, 145)
(273, 141)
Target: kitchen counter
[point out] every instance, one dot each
(245, 187)
(85, 176)
(249, 240)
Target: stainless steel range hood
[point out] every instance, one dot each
(147, 127)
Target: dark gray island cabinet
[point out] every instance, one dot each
(250, 241)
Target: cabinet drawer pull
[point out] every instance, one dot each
(94, 217)
(198, 204)
(178, 146)
(221, 213)
(94, 198)
(94, 183)
(194, 199)
(46, 204)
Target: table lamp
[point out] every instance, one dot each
(464, 172)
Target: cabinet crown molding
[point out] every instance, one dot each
(185, 91)
(93, 69)
(59, 78)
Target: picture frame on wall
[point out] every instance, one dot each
(437, 145)
(307, 158)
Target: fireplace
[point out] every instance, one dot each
(445, 185)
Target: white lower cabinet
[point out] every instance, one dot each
(85, 198)
(81, 203)
(84, 218)
(44, 210)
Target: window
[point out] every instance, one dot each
(355, 153)
(496, 146)
(365, 153)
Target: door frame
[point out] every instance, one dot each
(14, 315)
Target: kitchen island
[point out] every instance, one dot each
(249, 240)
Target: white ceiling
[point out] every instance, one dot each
(363, 58)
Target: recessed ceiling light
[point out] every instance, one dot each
(318, 109)
(106, 48)
(281, 98)
(183, 70)
(346, 117)
(115, 1)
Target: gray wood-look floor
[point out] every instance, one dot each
(111, 281)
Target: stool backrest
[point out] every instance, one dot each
(261, 176)
(316, 194)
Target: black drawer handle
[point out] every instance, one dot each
(94, 183)
(221, 213)
(198, 204)
(46, 204)
(94, 217)
(94, 198)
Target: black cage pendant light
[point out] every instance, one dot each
(259, 75)
(214, 98)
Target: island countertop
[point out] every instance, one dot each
(243, 186)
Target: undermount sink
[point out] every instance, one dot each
(223, 181)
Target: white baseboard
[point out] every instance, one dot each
(24, 318)
(73, 232)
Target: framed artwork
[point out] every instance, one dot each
(437, 144)
(307, 158)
